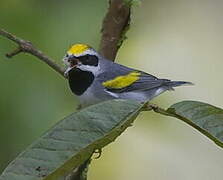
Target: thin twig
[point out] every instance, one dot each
(114, 27)
(27, 47)
(158, 109)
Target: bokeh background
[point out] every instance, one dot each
(176, 39)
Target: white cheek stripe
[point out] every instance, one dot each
(93, 69)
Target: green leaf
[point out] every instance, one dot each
(72, 141)
(204, 117)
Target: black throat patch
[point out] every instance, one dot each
(79, 80)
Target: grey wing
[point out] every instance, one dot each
(145, 81)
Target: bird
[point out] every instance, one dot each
(93, 78)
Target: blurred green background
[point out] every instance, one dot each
(176, 39)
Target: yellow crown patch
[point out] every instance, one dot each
(78, 49)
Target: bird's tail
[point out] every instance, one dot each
(172, 84)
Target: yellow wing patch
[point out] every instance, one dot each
(122, 81)
(78, 49)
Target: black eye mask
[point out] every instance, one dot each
(90, 60)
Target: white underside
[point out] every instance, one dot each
(89, 98)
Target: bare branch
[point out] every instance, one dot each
(114, 27)
(157, 109)
(13, 53)
(27, 47)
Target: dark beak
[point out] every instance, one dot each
(73, 62)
